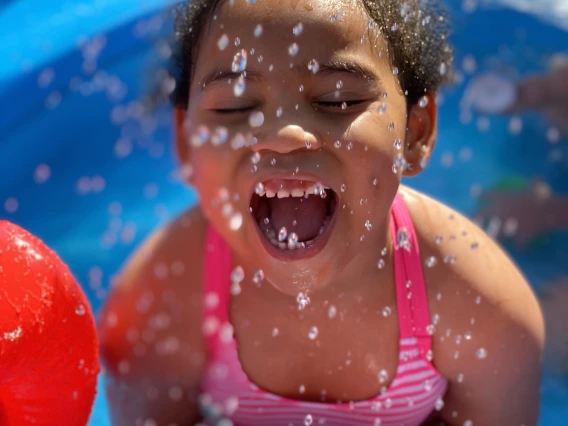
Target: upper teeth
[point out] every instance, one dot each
(284, 193)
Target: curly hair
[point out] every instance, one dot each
(416, 32)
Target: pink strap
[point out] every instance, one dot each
(412, 302)
(216, 294)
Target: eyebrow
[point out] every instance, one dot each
(356, 69)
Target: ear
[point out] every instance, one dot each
(421, 135)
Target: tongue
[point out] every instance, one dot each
(309, 214)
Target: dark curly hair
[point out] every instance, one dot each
(416, 32)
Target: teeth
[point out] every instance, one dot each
(272, 236)
(273, 241)
(284, 193)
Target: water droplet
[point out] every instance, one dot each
(375, 181)
(343, 105)
(478, 300)
(368, 225)
(223, 42)
(397, 143)
(481, 353)
(313, 66)
(395, 71)
(431, 261)
(292, 240)
(275, 332)
(381, 264)
(298, 29)
(308, 420)
(313, 333)
(236, 221)
(258, 30)
(239, 61)
(387, 311)
(332, 311)
(282, 234)
(443, 69)
(238, 274)
(460, 378)
(403, 239)
(467, 335)
(303, 300)
(308, 145)
(439, 404)
(431, 329)
(427, 385)
(383, 376)
(255, 159)
(258, 277)
(302, 389)
(384, 251)
(423, 102)
(377, 422)
(339, 84)
(343, 187)
(273, 161)
(200, 136)
(438, 239)
(42, 173)
(430, 355)
(237, 41)
(220, 136)
(318, 188)
(382, 108)
(80, 310)
(256, 119)
(279, 112)
(468, 423)
(240, 86)
(436, 317)
(293, 49)
(394, 27)
(388, 403)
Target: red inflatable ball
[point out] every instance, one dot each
(48, 345)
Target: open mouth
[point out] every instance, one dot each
(294, 215)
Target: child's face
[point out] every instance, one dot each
(303, 136)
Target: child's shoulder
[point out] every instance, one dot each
(473, 286)
(178, 242)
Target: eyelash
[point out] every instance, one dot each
(328, 104)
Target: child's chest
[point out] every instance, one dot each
(334, 351)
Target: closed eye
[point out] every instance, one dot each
(232, 110)
(339, 104)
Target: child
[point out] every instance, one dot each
(310, 287)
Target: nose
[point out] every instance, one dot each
(286, 139)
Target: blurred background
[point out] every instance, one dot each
(86, 166)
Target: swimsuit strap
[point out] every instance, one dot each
(411, 297)
(216, 292)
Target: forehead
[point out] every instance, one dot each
(340, 23)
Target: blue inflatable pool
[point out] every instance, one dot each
(74, 166)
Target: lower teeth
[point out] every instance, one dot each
(272, 236)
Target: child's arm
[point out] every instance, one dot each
(489, 331)
(151, 340)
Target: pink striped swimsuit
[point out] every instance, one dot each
(229, 397)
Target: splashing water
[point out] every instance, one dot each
(239, 61)
(313, 333)
(293, 49)
(303, 300)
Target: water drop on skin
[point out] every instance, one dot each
(308, 420)
(481, 353)
(223, 42)
(431, 261)
(293, 49)
(423, 102)
(258, 277)
(313, 333)
(258, 30)
(239, 61)
(332, 312)
(240, 86)
(313, 66)
(387, 311)
(256, 119)
(298, 29)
